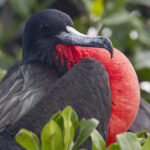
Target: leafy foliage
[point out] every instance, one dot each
(59, 134)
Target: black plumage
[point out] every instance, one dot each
(39, 92)
(34, 89)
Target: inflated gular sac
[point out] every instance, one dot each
(125, 93)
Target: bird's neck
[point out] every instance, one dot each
(65, 56)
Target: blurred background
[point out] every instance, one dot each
(125, 22)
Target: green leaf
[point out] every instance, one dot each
(97, 7)
(74, 119)
(141, 140)
(66, 113)
(68, 126)
(28, 140)
(146, 145)
(114, 146)
(128, 141)
(68, 122)
(86, 128)
(139, 137)
(57, 117)
(98, 142)
(2, 73)
(51, 137)
(140, 134)
(117, 18)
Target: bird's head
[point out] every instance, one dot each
(49, 27)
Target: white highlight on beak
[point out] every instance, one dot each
(72, 30)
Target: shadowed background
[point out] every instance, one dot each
(125, 22)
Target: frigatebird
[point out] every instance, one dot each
(61, 67)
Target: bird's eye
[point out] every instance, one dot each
(44, 27)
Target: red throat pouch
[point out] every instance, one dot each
(125, 93)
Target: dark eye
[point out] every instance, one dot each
(44, 27)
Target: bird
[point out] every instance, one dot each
(61, 66)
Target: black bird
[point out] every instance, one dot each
(38, 87)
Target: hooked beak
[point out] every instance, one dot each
(73, 37)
